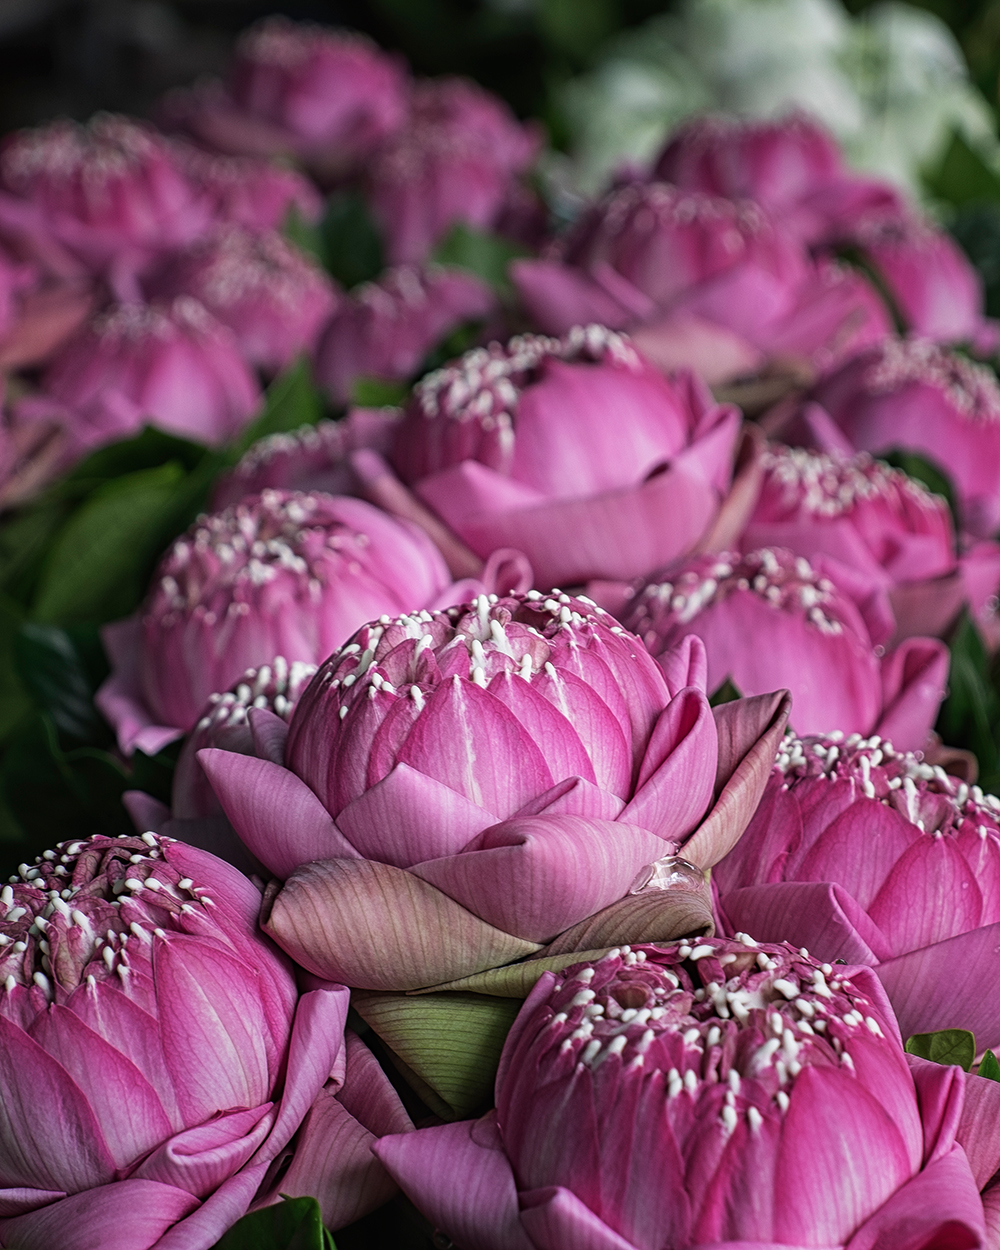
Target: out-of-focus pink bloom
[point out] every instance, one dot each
(865, 853)
(14, 278)
(770, 619)
(685, 1097)
(171, 365)
(575, 451)
(273, 298)
(113, 192)
(792, 166)
(385, 329)
(701, 280)
(258, 194)
(453, 161)
(325, 96)
(136, 964)
(913, 395)
(496, 774)
(280, 574)
(871, 518)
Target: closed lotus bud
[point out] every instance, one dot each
(769, 618)
(873, 519)
(273, 298)
(281, 573)
(454, 160)
(385, 329)
(299, 89)
(171, 365)
(913, 395)
(510, 767)
(135, 964)
(258, 194)
(575, 451)
(112, 191)
(723, 1093)
(900, 861)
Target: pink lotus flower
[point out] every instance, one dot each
(298, 89)
(385, 329)
(869, 854)
(701, 281)
(876, 521)
(112, 192)
(770, 619)
(287, 574)
(453, 161)
(720, 1095)
(488, 777)
(157, 1055)
(576, 452)
(273, 298)
(258, 194)
(171, 365)
(913, 395)
(792, 167)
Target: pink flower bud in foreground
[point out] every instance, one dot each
(280, 573)
(170, 365)
(385, 329)
(301, 89)
(510, 767)
(870, 518)
(721, 1094)
(770, 619)
(575, 451)
(913, 395)
(157, 1056)
(273, 298)
(453, 161)
(872, 855)
(112, 191)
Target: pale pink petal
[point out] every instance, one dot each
(979, 1127)
(913, 684)
(125, 1215)
(556, 1219)
(677, 774)
(201, 1158)
(574, 797)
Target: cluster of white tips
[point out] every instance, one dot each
(275, 686)
(107, 146)
(831, 485)
(969, 387)
(646, 208)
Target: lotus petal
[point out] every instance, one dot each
(556, 1219)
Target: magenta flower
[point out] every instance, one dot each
(575, 451)
(258, 194)
(299, 89)
(702, 281)
(872, 855)
(272, 297)
(454, 160)
(489, 777)
(913, 395)
(171, 365)
(287, 574)
(769, 619)
(875, 520)
(156, 1055)
(723, 1094)
(385, 329)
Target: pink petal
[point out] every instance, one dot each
(147, 813)
(685, 340)
(574, 797)
(556, 1219)
(685, 664)
(940, 1206)
(859, 849)
(270, 733)
(930, 894)
(407, 817)
(941, 986)
(819, 915)
(201, 1158)
(466, 739)
(677, 774)
(537, 875)
(559, 297)
(941, 1094)
(600, 731)
(18, 1201)
(913, 685)
(927, 607)
(217, 1214)
(278, 817)
(125, 1215)
(459, 1177)
(565, 755)
(978, 1130)
(120, 697)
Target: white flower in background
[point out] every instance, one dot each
(891, 84)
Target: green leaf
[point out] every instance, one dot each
(292, 1224)
(963, 176)
(62, 678)
(149, 448)
(99, 565)
(989, 1067)
(291, 402)
(970, 716)
(378, 393)
(726, 693)
(351, 241)
(948, 1046)
(14, 698)
(578, 27)
(306, 236)
(976, 228)
(485, 255)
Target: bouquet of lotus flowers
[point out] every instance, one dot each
(500, 734)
